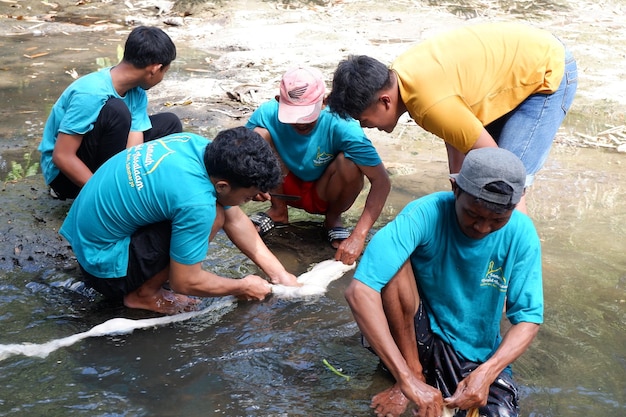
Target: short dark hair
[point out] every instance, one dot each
(499, 187)
(148, 45)
(244, 159)
(356, 81)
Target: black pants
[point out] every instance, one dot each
(149, 254)
(444, 370)
(108, 137)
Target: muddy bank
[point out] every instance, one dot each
(30, 220)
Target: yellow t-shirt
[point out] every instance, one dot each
(458, 82)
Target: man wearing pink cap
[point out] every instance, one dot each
(324, 158)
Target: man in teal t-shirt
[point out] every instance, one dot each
(146, 216)
(430, 289)
(104, 112)
(325, 159)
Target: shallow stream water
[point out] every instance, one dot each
(265, 359)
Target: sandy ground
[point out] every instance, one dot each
(250, 43)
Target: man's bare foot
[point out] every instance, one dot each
(164, 302)
(390, 403)
(279, 215)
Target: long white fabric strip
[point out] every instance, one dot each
(314, 283)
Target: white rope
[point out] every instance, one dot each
(314, 283)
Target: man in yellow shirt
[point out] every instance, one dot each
(494, 84)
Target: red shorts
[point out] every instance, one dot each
(309, 200)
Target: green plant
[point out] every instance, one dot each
(19, 171)
(105, 62)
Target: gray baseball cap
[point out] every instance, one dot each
(483, 166)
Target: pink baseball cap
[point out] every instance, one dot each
(302, 91)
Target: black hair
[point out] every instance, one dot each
(244, 159)
(148, 45)
(356, 81)
(498, 187)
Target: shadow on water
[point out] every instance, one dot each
(265, 358)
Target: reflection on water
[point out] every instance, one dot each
(580, 211)
(265, 359)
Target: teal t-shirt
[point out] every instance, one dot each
(308, 156)
(164, 179)
(76, 111)
(462, 282)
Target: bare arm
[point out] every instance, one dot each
(265, 134)
(367, 308)
(400, 302)
(351, 248)
(244, 235)
(193, 280)
(473, 391)
(134, 138)
(456, 157)
(65, 158)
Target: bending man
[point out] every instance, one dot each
(495, 84)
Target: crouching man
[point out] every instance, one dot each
(430, 289)
(147, 215)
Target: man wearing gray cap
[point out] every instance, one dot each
(430, 289)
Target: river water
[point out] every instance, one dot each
(266, 358)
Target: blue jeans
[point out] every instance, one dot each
(529, 130)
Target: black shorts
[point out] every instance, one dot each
(444, 369)
(149, 254)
